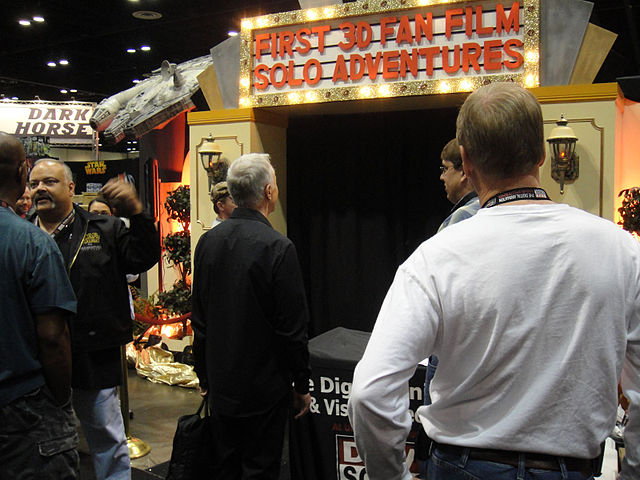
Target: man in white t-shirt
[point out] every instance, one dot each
(533, 309)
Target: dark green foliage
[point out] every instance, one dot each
(177, 249)
(630, 210)
(176, 301)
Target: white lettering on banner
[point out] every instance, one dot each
(328, 385)
(62, 122)
(350, 464)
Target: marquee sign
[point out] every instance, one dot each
(387, 48)
(63, 123)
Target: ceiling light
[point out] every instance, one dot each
(38, 18)
(14, 98)
(135, 80)
(51, 64)
(24, 22)
(64, 90)
(131, 50)
(232, 33)
(147, 15)
(73, 90)
(63, 61)
(145, 48)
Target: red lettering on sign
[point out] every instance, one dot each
(373, 65)
(320, 31)
(409, 61)
(424, 28)
(468, 23)
(305, 44)
(386, 29)
(364, 33)
(429, 53)
(340, 72)
(305, 71)
(492, 58)
(286, 39)
(349, 33)
(455, 65)
(291, 79)
(390, 64)
(357, 66)
(272, 75)
(512, 22)
(480, 30)
(471, 53)
(517, 56)
(262, 81)
(452, 20)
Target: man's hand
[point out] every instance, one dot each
(123, 197)
(203, 391)
(301, 403)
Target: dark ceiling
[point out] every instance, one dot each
(94, 36)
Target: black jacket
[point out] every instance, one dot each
(249, 316)
(98, 254)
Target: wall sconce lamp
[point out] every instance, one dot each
(565, 162)
(210, 157)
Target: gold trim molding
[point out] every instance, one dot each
(237, 115)
(577, 93)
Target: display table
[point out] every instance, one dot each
(323, 447)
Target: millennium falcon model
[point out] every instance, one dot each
(159, 98)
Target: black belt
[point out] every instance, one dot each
(531, 460)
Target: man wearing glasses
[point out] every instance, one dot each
(457, 185)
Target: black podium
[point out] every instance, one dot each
(323, 447)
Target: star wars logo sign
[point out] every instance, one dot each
(351, 466)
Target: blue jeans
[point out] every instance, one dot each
(448, 466)
(38, 439)
(101, 419)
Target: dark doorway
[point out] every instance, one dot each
(363, 191)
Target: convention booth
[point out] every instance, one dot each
(354, 102)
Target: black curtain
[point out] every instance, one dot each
(363, 191)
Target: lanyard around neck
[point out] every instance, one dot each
(524, 193)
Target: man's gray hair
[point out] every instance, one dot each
(68, 174)
(247, 178)
(500, 128)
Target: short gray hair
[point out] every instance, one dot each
(68, 174)
(500, 128)
(247, 178)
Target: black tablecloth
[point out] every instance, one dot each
(322, 445)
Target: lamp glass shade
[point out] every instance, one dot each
(210, 153)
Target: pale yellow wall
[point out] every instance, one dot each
(237, 132)
(591, 112)
(594, 124)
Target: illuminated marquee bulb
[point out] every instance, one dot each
(466, 86)
(366, 92)
(294, 97)
(311, 96)
(311, 15)
(444, 87)
(262, 22)
(244, 102)
(531, 56)
(247, 24)
(423, 3)
(531, 80)
(244, 82)
(384, 91)
(328, 12)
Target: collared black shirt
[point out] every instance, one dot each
(249, 315)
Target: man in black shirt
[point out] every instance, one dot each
(250, 321)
